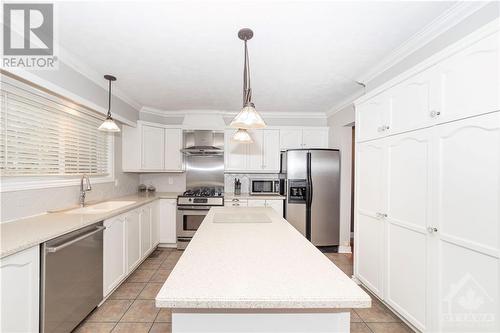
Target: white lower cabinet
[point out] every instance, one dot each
(427, 231)
(133, 229)
(114, 253)
(20, 290)
(168, 215)
(145, 217)
(155, 223)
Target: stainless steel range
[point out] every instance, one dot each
(204, 156)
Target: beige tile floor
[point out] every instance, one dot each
(131, 307)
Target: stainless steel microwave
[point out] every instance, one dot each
(264, 186)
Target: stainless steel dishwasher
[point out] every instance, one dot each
(71, 278)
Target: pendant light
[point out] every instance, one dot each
(242, 135)
(109, 124)
(248, 117)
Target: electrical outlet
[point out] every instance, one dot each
(170, 180)
(116, 182)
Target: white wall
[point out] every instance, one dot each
(165, 182)
(18, 204)
(341, 138)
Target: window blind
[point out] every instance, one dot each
(46, 135)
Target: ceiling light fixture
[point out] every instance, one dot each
(109, 124)
(242, 135)
(248, 117)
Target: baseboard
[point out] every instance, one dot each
(167, 245)
(345, 249)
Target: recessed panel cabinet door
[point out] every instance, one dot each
(470, 80)
(373, 117)
(114, 261)
(290, 139)
(155, 223)
(408, 212)
(370, 225)
(271, 160)
(235, 153)
(153, 147)
(173, 146)
(467, 215)
(133, 228)
(20, 289)
(414, 102)
(255, 150)
(168, 213)
(145, 218)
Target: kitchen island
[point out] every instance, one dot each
(248, 269)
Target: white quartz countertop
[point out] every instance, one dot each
(247, 196)
(261, 265)
(24, 233)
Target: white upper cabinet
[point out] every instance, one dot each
(151, 147)
(373, 117)
(173, 146)
(153, 143)
(263, 155)
(271, 154)
(235, 153)
(255, 153)
(290, 138)
(414, 102)
(464, 84)
(297, 138)
(470, 82)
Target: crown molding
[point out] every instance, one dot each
(442, 23)
(223, 113)
(349, 100)
(72, 61)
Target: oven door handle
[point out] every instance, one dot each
(193, 208)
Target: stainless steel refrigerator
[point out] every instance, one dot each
(313, 193)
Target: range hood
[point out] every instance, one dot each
(203, 142)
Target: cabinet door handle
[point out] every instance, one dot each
(236, 204)
(434, 113)
(432, 230)
(381, 215)
(235, 200)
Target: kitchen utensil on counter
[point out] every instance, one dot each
(142, 188)
(237, 186)
(151, 188)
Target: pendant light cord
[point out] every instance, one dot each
(247, 90)
(109, 100)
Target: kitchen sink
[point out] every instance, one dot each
(100, 208)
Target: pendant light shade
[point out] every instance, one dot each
(109, 124)
(248, 117)
(242, 135)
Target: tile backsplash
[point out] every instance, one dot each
(245, 180)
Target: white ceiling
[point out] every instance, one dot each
(304, 56)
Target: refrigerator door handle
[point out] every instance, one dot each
(308, 197)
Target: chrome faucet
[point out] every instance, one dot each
(84, 190)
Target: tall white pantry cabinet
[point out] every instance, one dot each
(428, 189)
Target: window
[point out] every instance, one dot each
(46, 137)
